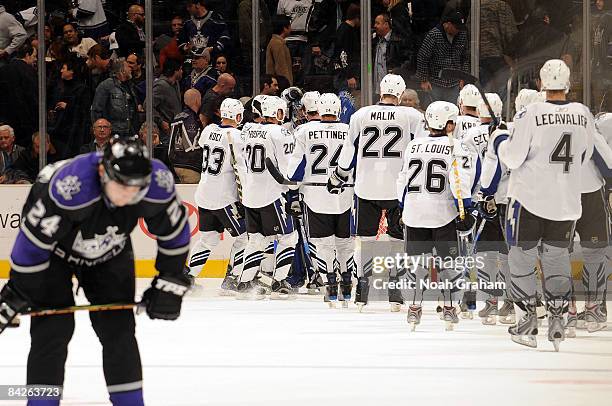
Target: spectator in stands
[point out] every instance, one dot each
(184, 152)
(68, 116)
(7, 144)
(298, 12)
(203, 75)
(399, 14)
(130, 35)
(322, 24)
(205, 29)
(347, 51)
(222, 64)
(445, 46)
(116, 101)
(211, 102)
(74, 42)
(136, 65)
(12, 35)
(390, 53)
(19, 94)
(98, 63)
(167, 97)
(91, 18)
(425, 16)
(166, 45)
(278, 57)
(27, 162)
(601, 68)
(268, 86)
(142, 134)
(497, 29)
(101, 130)
(410, 98)
(160, 151)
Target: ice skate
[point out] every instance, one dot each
(228, 286)
(315, 286)
(345, 289)
(468, 305)
(540, 311)
(264, 280)
(250, 291)
(570, 325)
(450, 317)
(281, 290)
(556, 330)
(440, 312)
(331, 296)
(396, 300)
(526, 330)
(414, 316)
(505, 314)
(488, 314)
(580, 323)
(361, 293)
(595, 317)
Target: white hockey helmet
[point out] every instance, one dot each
(603, 122)
(310, 101)
(496, 104)
(231, 109)
(526, 97)
(256, 104)
(329, 104)
(271, 105)
(392, 85)
(469, 96)
(555, 75)
(439, 113)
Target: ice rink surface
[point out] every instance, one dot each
(301, 353)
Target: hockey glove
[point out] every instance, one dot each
(12, 302)
(335, 182)
(292, 204)
(164, 298)
(487, 208)
(466, 224)
(497, 137)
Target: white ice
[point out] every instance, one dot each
(226, 352)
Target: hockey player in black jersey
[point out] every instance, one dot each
(77, 222)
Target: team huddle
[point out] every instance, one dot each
(453, 182)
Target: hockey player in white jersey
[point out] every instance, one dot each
(218, 194)
(437, 173)
(469, 99)
(546, 153)
(317, 149)
(264, 200)
(374, 149)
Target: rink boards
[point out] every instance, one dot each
(145, 248)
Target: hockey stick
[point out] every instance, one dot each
(473, 80)
(72, 309)
(275, 173)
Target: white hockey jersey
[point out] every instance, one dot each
(378, 136)
(299, 13)
(427, 185)
(259, 188)
(217, 187)
(317, 149)
(546, 153)
(463, 124)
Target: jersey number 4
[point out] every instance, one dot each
(562, 154)
(394, 132)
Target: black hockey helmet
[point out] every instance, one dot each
(126, 161)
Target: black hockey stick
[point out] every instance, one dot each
(275, 173)
(472, 80)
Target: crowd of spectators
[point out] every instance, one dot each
(96, 67)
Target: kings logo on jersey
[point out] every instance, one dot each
(99, 245)
(68, 186)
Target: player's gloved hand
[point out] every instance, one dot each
(12, 302)
(496, 137)
(164, 298)
(487, 208)
(467, 223)
(335, 182)
(292, 204)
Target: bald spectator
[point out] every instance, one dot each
(184, 152)
(211, 102)
(410, 98)
(12, 35)
(7, 144)
(130, 35)
(278, 57)
(167, 97)
(101, 131)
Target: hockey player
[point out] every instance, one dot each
(317, 148)
(436, 173)
(77, 221)
(264, 200)
(377, 139)
(546, 153)
(491, 246)
(218, 194)
(469, 99)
